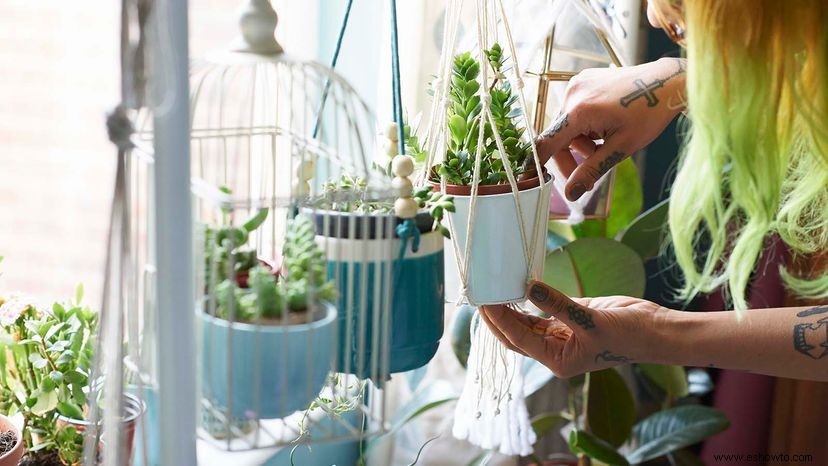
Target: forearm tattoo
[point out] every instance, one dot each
(647, 91)
(608, 356)
(811, 338)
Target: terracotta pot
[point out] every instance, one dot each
(489, 189)
(11, 457)
(133, 408)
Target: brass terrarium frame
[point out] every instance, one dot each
(548, 75)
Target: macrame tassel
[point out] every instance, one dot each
(491, 412)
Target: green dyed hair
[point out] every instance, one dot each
(755, 162)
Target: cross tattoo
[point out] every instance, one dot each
(644, 90)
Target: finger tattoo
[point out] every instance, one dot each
(612, 160)
(560, 123)
(539, 293)
(580, 316)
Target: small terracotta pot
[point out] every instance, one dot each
(489, 189)
(241, 277)
(133, 410)
(11, 457)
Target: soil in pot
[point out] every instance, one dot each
(8, 440)
(41, 458)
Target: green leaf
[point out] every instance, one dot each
(70, 410)
(255, 221)
(554, 240)
(79, 293)
(46, 401)
(671, 379)
(626, 198)
(420, 451)
(457, 127)
(461, 333)
(483, 458)
(428, 398)
(54, 329)
(646, 234)
(542, 424)
(672, 429)
(611, 408)
(584, 443)
(595, 267)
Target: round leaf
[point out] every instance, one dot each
(671, 379)
(646, 234)
(626, 198)
(461, 333)
(611, 408)
(595, 267)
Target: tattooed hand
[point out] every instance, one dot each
(580, 335)
(607, 115)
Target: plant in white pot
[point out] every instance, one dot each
(489, 168)
(267, 339)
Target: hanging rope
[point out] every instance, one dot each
(395, 82)
(338, 48)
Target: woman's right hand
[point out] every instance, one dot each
(626, 108)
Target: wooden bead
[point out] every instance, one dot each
(405, 207)
(403, 186)
(402, 165)
(305, 170)
(391, 132)
(392, 149)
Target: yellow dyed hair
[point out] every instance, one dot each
(755, 160)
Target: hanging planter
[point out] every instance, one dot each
(497, 261)
(371, 257)
(268, 345)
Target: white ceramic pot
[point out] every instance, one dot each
(498, 267)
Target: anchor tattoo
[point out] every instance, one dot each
(648, 90)
(812, 339)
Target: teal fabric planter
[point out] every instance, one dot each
(272, 370)
(415, 305)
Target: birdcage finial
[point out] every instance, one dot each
(257, 24)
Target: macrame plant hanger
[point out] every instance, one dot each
(491, 411)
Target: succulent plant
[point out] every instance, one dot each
(465, 118)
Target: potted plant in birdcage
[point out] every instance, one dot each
(46, 359)
(500, 219)
(384, 258)
(267, 329)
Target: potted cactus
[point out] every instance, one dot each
(46, 363)
(267, 331)
(379, 261)
(498, 263)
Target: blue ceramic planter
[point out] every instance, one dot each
(415, 304)
(273, 370)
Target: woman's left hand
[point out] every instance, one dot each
(580, 334)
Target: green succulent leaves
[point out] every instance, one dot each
(465, 118)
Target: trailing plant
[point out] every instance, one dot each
(268, 294)
(349, 194)
(46, 358)
(464, 122)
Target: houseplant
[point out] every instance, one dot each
(381, 261)
(277, 323)
(47, 359)
(502, 219)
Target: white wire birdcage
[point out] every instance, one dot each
(292, 272)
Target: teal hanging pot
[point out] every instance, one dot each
(390, 296)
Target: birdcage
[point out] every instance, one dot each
(294, 249)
